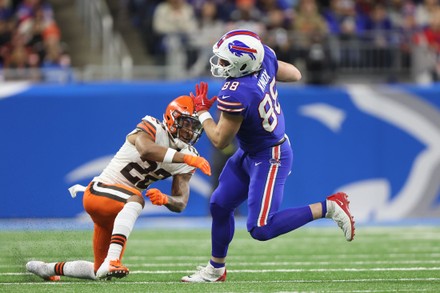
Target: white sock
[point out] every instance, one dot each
(122, 228)
(76, 269)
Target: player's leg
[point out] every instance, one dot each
(102, 233)
(52, 271)
(335, 207)
(269, 171)
(266, 190)
(230, 193)
(102, 210)
(121, 228)
(232, 190)
(114, 209)
(123, 225)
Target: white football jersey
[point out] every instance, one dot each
(129, 169)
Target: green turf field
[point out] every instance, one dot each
(312, 259)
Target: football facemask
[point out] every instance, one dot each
(181, 120)
(189, 129)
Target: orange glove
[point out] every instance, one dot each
(201, 100)
(156, 197)
(198, 162)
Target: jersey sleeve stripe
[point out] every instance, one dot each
(148, 128)
(229, 110)
(236, 104)
(145, 129)
(233, 107)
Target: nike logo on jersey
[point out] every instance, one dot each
(258, 163)
(224, 97)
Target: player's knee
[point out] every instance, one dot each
(138, 199)
(260, 233)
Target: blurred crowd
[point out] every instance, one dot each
(30, 39)
(326, 34)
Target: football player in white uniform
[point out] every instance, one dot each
(154, 151)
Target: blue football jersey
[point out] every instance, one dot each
(255, 97)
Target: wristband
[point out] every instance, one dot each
(204, 116)
(169, 155)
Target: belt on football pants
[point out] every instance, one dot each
(281, 141)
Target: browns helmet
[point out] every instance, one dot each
(182, 121)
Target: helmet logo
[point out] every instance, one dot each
(238, 49)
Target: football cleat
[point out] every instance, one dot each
(338, 209)
(42, 270)
(111, 269)
(206, 274)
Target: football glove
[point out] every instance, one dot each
(201, 100)
(156, 197)
(198, 162)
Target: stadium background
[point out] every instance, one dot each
(371, 131)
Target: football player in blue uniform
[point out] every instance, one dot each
(257, 172)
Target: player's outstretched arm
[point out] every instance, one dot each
(287, 72)
(149, 150)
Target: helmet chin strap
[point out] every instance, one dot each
(177, 142)
(180, 144)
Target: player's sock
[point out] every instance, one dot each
(57, 267)
(282, 222)
(122, 228)
(43, 270)
(324, 208)
(77, 269)
(216, 265)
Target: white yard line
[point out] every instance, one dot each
(119, 282)
(158, 272)
(269, 264)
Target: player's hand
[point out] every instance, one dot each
(156, 197)
(201, 100)
(198, 162)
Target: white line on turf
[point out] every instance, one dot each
(278, 270)
(286, 263)
(119, 282)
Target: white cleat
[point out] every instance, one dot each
(42, 270)
(206, 274)
(338, 209)
(112, 269)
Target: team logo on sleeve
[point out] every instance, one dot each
(239, 49)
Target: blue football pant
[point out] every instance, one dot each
(259, 178)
